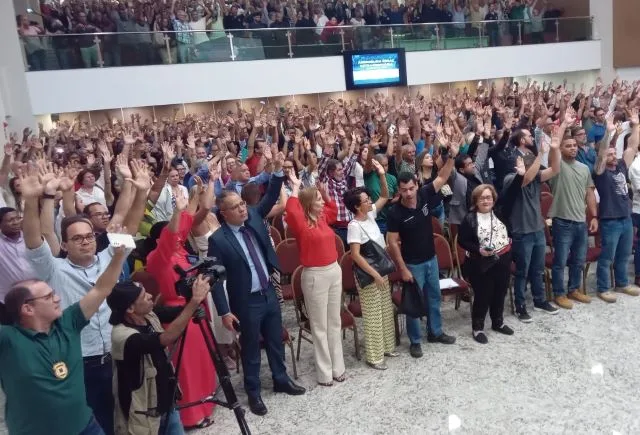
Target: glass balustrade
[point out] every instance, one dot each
(101, 50)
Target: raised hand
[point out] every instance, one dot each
(8, 149)
(634, 118)
(67, 180)
(377, 166)
(520, 168)
(122, 167)
(293, 179)
(611, 125)
(107, 157)
(323, 189)
(570, 117)
(278, 162)
(30, 183)
(142, 180)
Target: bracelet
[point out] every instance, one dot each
(48, 196)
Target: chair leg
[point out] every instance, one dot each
(613, 283)
(355, 341)
(547, 285)
(396, 325)
(512, 283)
(293, 360)
(299, 343)
(585, 272)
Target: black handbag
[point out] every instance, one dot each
(412, 303)
(377, 258)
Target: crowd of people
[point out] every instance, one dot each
(184, 31)
(88, 322)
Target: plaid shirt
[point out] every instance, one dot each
(186, 37)
(337, 188)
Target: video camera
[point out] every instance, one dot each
(207, 267)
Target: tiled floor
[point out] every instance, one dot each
(577, 372)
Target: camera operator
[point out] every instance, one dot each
(143, 403)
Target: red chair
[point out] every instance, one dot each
(279, 225)
(546, 199)
(544, 187)
(289, 258)
(275, 235)
(436, 225)
(286, 339)
(340, 247)
(349, 287)
(445, 263)
(304, 326)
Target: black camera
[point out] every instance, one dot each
(207, 267)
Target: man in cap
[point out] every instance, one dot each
(138, 347)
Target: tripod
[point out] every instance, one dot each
(200, 318)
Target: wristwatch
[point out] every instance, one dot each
(48, 196)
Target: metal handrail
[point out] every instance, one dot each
(287, 29)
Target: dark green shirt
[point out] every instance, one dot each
(38, 400)
(372, 183)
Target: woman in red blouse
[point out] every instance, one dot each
(309, 214)
(197, 375)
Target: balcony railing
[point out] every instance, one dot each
(92, 50)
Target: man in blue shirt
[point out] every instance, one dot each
(599, 129)
(586, 152)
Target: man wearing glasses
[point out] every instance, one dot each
(243, 247)
(76, 274)
(41, 357)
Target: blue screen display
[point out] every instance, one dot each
(374, 69)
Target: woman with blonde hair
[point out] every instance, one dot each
(309, 214)
(484, 236)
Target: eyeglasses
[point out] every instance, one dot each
(80, 239)
(48, 297)
(287, 167)
(237, 207)
(486, 198)
(101, 214)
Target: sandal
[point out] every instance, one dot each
(341, 378)
(206, 422)
(326, 384)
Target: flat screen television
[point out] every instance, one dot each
(375, 68)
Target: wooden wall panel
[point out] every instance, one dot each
(626, 33)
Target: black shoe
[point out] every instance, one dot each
(503, 329)
(480, 337)
(442, 338)
(290, 388)
(523, 316)
(546, 307)
(415, 350)
(257, 406)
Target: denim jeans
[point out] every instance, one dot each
(97, 384)
(617, 242)
(170, 424)
(427, 276)
(569, 237)
(528, 252)
(636, 258)
(438, 213)
(93, 428)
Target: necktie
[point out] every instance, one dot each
(253, 253)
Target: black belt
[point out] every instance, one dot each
(97, 359)
(259, 292)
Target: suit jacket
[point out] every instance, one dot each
(225, 247)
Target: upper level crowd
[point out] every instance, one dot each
(518, 178)
(194, 30)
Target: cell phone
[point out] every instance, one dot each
(236, 325)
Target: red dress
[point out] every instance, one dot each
(197, 375)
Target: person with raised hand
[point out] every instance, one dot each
(571, 188)
(614, 211)
(41, 355)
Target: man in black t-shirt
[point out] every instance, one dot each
(614, 211)
(410, 237)
(138, 348)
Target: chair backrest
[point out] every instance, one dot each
(275, 235)
(148, 281)
(288, 256)
(298, 296)
(461, 255)
(546, 199)
(453, 232)
(279, 225)
(394, 276)
(288, 234)
(436, 225)
(544, 187)
(443, 253)
(547, 236)
(348, 280)
(339, 246)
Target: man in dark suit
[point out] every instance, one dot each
(243, 247)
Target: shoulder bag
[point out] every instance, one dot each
(377, 258)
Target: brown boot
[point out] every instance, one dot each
(563, 302)
(580, 297)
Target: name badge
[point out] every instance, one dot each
(60, 370)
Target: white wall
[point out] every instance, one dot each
(93, 89)
(602, 11)
(13, 84)
(573, 78)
